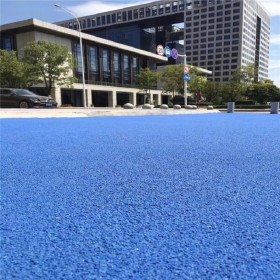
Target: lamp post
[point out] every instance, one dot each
(185, 56)
(81, 49)
(185, 82)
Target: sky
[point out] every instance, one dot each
(11, 11)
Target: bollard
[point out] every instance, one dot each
(231, 106)
(274, 107)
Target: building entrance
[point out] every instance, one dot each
(72, 98)
(100, 98)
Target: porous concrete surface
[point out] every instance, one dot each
(94, 112)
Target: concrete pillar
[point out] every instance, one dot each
(274, 107)
(112, 99)
(231, 106)
(132, 98)
(57, 95)
(89, 98)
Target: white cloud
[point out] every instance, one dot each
(274, 64)
(92, 8)
(95, 7)
(275, 39)
(272, 6)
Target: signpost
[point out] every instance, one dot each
(160, 50)
(167, 52)
(174, 54)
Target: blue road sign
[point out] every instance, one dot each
(187, 77)
(174, 53)
(167, 51)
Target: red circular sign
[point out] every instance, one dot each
(160, 50)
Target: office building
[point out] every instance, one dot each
(111, 69)
(219, 35)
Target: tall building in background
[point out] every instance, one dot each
(219, 35)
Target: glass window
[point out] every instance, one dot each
(113, 18)
(103, 21)
(167, 8)
(160, 10)
(119, 17)
(154, 10)
(124, 18)
(175, 6)
(106, 65)
(108, 19)
(78, 60)
(7, 43)
(88, 22)
(126, 69)
(117, 67)
(129, 15)
(98, 21)
(135, 14)
(93, 64)
(141, 12)
(135, 70)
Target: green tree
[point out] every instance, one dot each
(198, 81)
(213, 92)
(14, 72)
(263, 92)
(147, 80)
(244, 75)
(240, 80)
(172, 79)
(52, 62)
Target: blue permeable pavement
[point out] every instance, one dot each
(153, 197)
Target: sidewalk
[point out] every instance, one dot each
(94, 112)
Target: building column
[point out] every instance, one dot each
(56, 94)
(132, 98)
(89, 98)
(112, 99)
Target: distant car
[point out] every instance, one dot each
(23, 98)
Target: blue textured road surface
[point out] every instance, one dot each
(155, 197)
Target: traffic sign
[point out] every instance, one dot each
(187, 77)
(186, 69)
(174, 53)
(167, 52)
(160, 50)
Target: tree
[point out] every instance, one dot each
(172, 79)
(14, 72)
(197, 82)
(240, 80)
(244, 75)
(213, 92)
(263, 92)
(53, 63)
(147, 80)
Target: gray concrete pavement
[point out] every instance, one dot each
(94, 112)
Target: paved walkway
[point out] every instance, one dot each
(94, 112)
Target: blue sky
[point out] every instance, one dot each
(44, 10)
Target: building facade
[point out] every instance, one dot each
(219, 35)
(111, 69)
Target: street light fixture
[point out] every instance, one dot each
(81, 49)
(185, 82)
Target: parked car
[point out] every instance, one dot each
(23, 98)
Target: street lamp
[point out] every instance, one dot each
(185, 82)
(81, 49)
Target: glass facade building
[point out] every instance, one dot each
(219, 35)
(111, 69)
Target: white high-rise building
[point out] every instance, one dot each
(222, 35)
